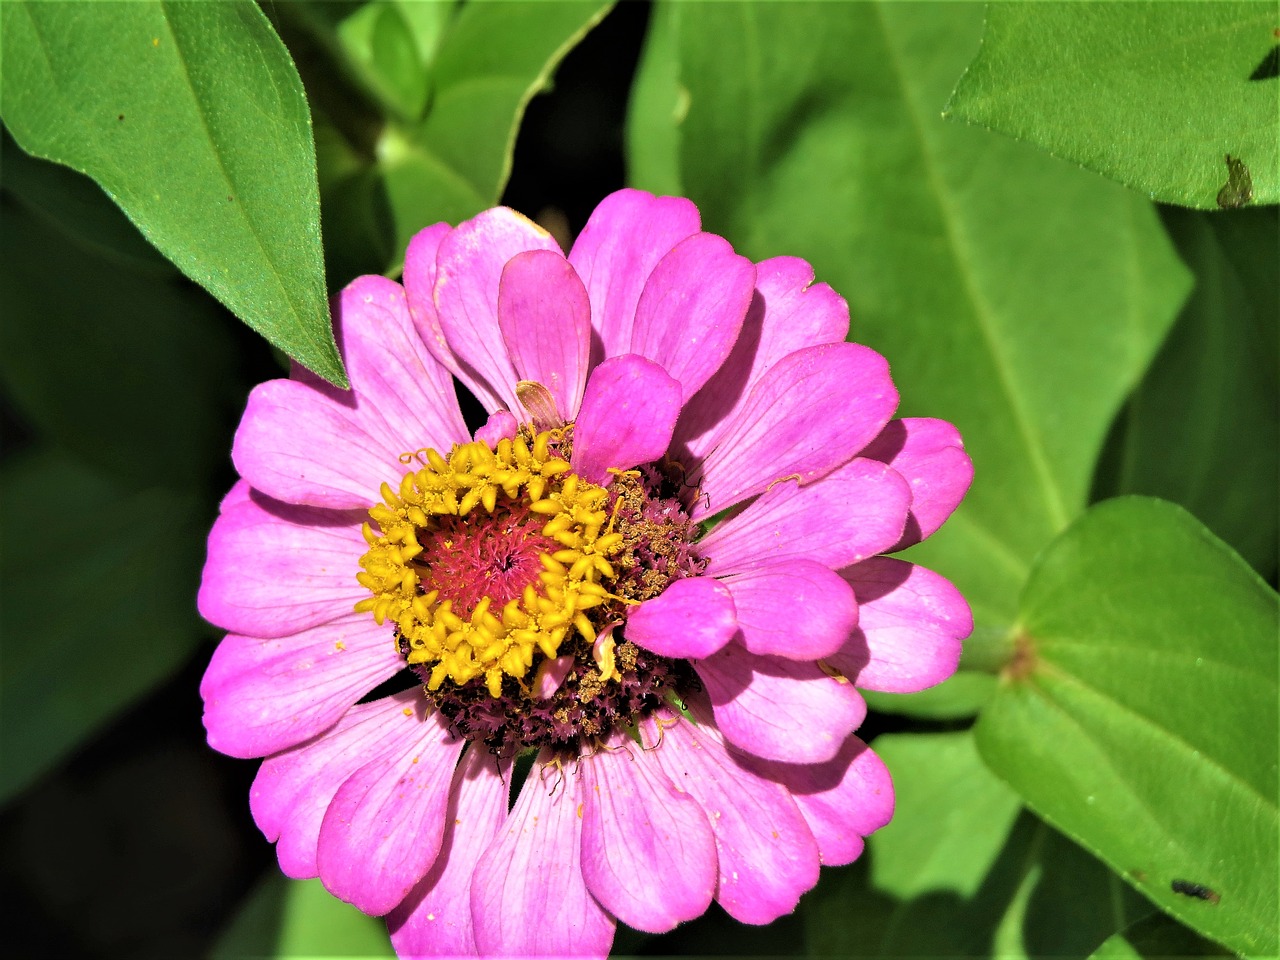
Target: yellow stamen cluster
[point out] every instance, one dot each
(487, 642)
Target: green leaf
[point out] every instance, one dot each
(959, 697)
(378, 40)
(192, 118)
(1140, 716)
(1154, 95)
(1156, 938)
(1200, 429)
(99, 580)
(492, 61)
(656, 108)
(160, 413)
(299, 919)
(1013, 294)
(961, 872)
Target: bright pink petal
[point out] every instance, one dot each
(912, 622)
(383, 829)
(854, 512)
(545, 318)
(626, 236)
(435, 919)
(309, 442)
(648, 854)
(293, 789)
(779, 709)
(692, 308)
(796, 609)
(468, 270)
(843, 800)
(788, 311)
(264, 696)
(628, 412)
(930, 454)
(767, 854)
(810, 413)
(501, 425)
(274, 569)
(692, 618)
(528, 898)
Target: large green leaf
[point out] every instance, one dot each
(1014, 294)
(656, 109)
(1155, 95)
(1156, 938)
(1140, 716)
(99, 583)
(191, 116)
(298, 919)
(161, 413)
(1201, 428)
(959, 872)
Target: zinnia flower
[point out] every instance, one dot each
(653, 580)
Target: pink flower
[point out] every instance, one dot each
(690, 697)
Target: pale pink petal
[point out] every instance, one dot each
(435, 919)
(383, 829)
(545, 318)
(293, 789)
(843, 800)
(264, 696)
(692, 618)
(528, 898)
(309, 442)
(798, 609)
(628, 412)
(692, 308)
(767, 854)
(626, 236)
(779, 709)
(912, 622)
(648, 854)
(814, 410)
(274, 569)
(930, 454)
(788, 311)
(854, 512)
(468, 269)
(419, 287)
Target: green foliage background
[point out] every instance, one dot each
(1032, 213)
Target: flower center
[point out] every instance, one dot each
(508, 578)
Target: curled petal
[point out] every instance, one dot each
(628, 412)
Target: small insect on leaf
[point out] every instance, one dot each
(1238, 190)
(1197, 890)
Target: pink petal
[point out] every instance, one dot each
(854, 512)
(796, 609)
(788, 311)
(419, 286)
(648, 854)
(767, 855)
(383, 829)
(843, 800)
(468, 270)
(274, 569)
(501, 425)
(692, 308)
(312, 443)
(626, 236)
(628, 412)
(293, 789)
(930, 454)
(690, 619)
(545, 318)
(810, 413)
(435, 919)
(779, 709)
(528, 897)
(264, 696)
(911, 624)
